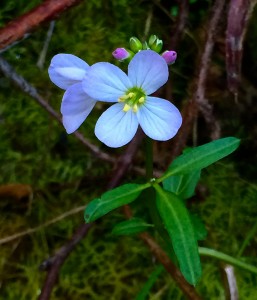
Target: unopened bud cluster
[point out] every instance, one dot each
(135, 45)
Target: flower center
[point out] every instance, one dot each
(133, 99)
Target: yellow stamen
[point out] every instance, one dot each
(141, 100)
(123, 98)
(131, 95)
(126, 107)
(135, 108)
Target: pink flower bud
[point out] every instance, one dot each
(169, 56)
(120, 53)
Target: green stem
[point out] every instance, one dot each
(150, 193)
(150, 196)
(149, 158)
(229, 259)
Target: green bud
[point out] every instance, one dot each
(155, 43)
(135, 44)
(152, 39)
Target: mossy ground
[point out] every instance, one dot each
(35, 150)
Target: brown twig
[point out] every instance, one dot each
(199, 101)
(179, 30)
(18, 235)
(188, 290)
(238, 18)
(54, 263)
(199, 96)
(26, 23)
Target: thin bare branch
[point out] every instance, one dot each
(179, 30)
(199, 101)
(239, 15)
(46, 224)
(199, 96)
(230, 283)
(26, 23)
(54, 263)
(42, 56)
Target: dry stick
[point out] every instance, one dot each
(10, 73)
(239, 15)
(46, 11)
(230, 282)
(177, 33)
(15, 236)
(198, 101)
(42, 56)
(199, 96)
(55, 262)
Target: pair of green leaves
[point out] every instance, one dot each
(179, 182)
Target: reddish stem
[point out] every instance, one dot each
(26, 23)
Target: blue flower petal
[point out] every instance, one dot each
(159, 119)
(106, 82)
(72, 123)
(67, 69)
(148, 70)
(76, 106)
(115, 128)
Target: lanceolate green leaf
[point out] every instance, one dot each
(177, 222)
(132, 226)
(182, 185)
(199, 227)
(201, 157)
(113, 199)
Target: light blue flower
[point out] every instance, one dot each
(147, 72)
(67, 72)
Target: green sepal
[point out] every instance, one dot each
(135, 44)
(113, 199)
(132, 226)
(181, 232)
